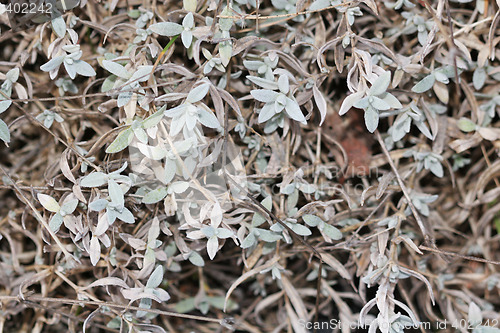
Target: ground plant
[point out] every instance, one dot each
(250, 166)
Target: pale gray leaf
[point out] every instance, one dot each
(95, 179)
(349, 102)
(52, 64)
(371, 119)
(168, 29)
(208, 119)
(320, 103)
(156, 277)
(121, 142)
(425, 84)
(263, 83)
(381, 84)
(116, 69)
(155, 196)
(59, 26)
(264, 95)
(332, 232)
(198, 93)
(312, 220)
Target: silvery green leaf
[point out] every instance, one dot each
(70, 68)
(141, 135)
(371, 119)
(111, 214)
(4, 131)
(125, 215)
(307, 188)
(252, 65)
(381, 84)
(263, 83)
(225, 52)
(116, 69)
(425, 84)
(466, 125)
(155, 153)
(349, 102)
(319, 4)
(198, 93)
(391, 100)
(196, 259)
(224, 233)
(178, 110)
(424, 130)
(94, 250)
(59, 26)
(52, 64)
(225, 24)
(264, 95)
(208, 68)
(283, 84)
(12, 75)
(212, 247)
(48, 203)
(441, 77)
(268, 203)
(479, 77)
(48, 121)
(249, 241)
(187, 38)
(422, 36)
(320, 103)
(400, 127)
(178, 187)
(436, 168)
(186, 305)
(116, 193)
(98, 205)
(83, 68)
(155, 278)
(170, 170)
(362, 103)
(378, 103)
(155, 196)
(257, 220)
(4, 104)
(55, 222)
(124, 98)
(121, 142)
(142, 74)
(153, 119)
(69, 207)
(95, 179)
(188, 21)
(266, 113)
(331, 232)
(299, 229)
(108, 83)
(292, 109)
(475, 316)
(168, 29)
(288, 189)
(208, 119)
(312, 220)
(268, 236)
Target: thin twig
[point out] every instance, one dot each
(428, 238)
